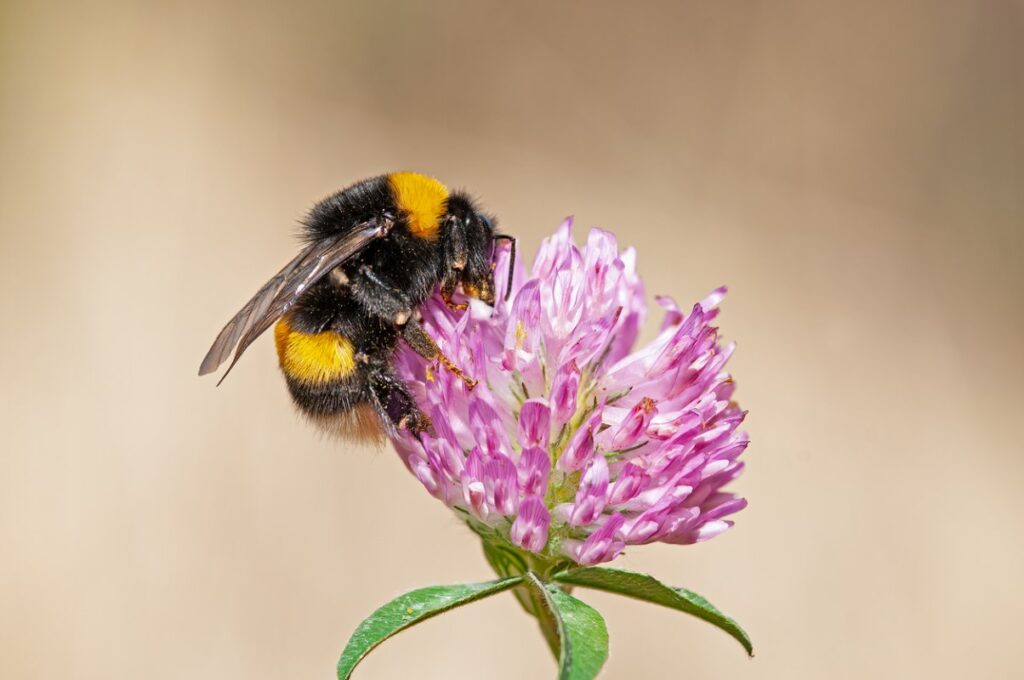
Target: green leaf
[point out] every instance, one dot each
(647, 588)
(408, 610)
(582, 634)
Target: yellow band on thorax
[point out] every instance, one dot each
(422, 199)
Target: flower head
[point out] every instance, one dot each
(573, 444)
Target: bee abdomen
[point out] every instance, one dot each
(326, 383)
(341, 408)
(313, 358)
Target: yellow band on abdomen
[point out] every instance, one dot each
(313, 357)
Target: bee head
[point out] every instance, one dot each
(470, 238)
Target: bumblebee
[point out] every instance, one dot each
(374, 253)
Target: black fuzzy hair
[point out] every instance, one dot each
(340, 212)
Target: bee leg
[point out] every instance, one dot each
(456, 254)
(424, 345)
(395, 406)
(447, 290)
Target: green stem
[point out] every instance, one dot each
(506, 562)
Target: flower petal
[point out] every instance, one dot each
(564, 391)
(534, 469)
(581, 447)
(592, 494)
(535, 423)
(530, 530)
(600, 546)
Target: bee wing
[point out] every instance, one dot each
(279, 293)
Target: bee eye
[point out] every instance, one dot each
(486, 220)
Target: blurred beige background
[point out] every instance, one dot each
(855, 174)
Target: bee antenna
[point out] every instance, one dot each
(511, 260)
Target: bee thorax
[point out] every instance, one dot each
(339, 277)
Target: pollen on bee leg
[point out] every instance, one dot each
(402, 317)
(415, 423)
(446, 295)
(459, 373)
(424, 345)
